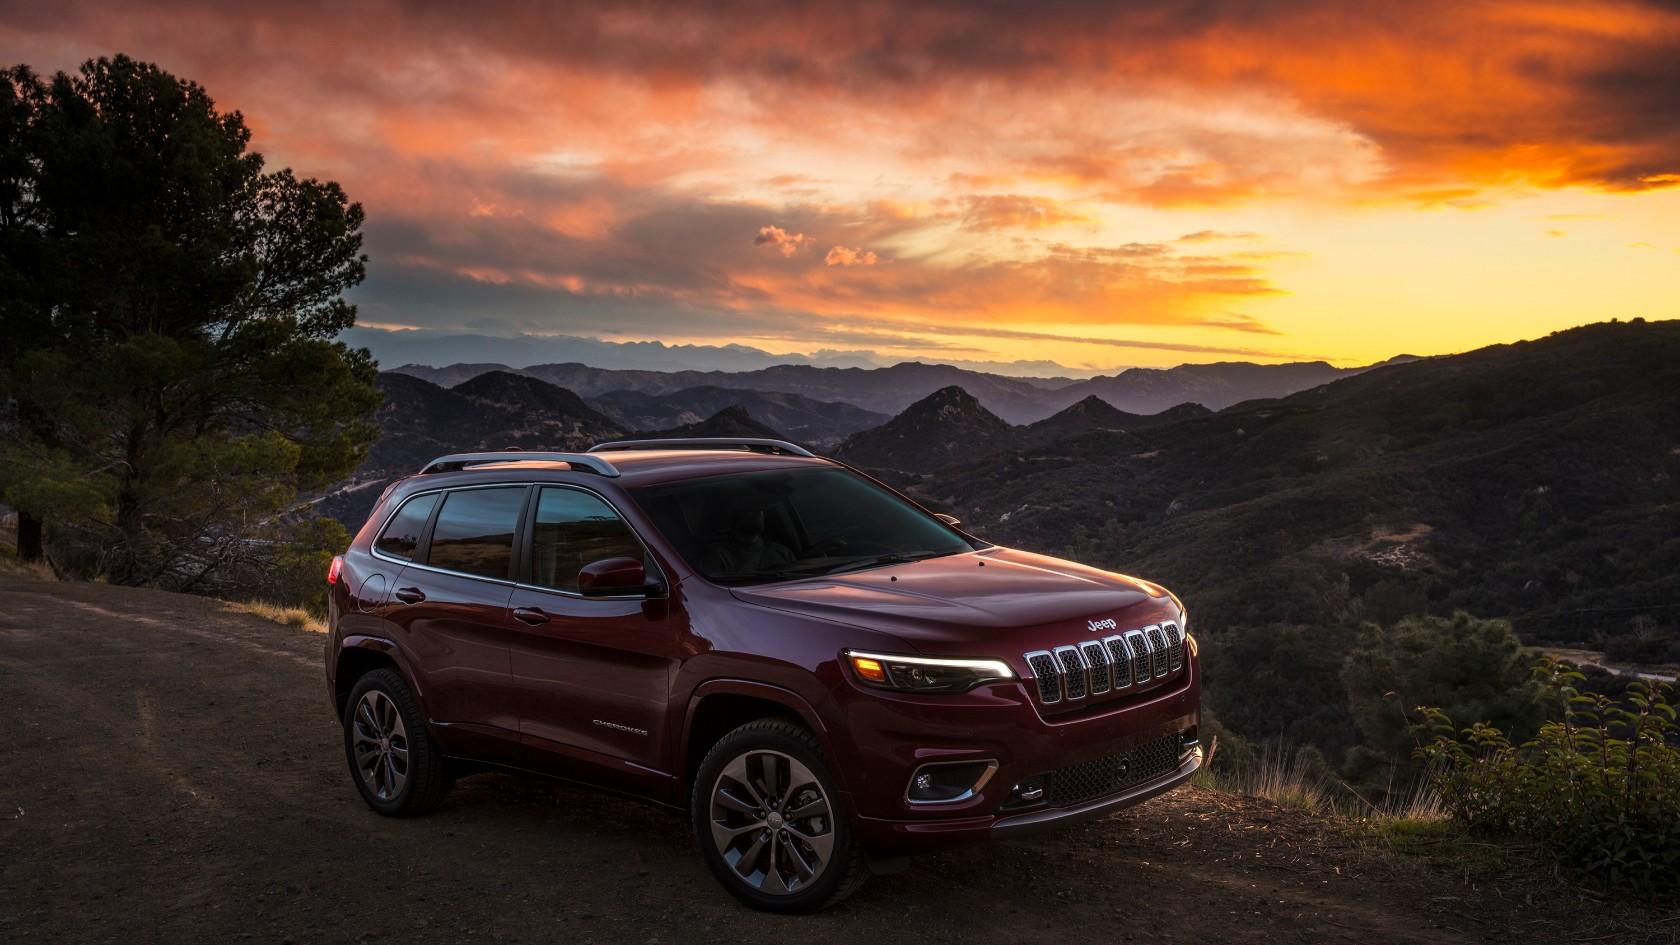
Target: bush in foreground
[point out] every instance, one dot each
(1600, 784)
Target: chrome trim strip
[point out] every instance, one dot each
(1036, 820)
(979, 785)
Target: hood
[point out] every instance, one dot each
(989, 597)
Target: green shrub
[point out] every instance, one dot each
(1600, 783)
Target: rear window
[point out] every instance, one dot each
(474, 531)
(402, 533)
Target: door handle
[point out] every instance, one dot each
(409, 595)
(530, 615)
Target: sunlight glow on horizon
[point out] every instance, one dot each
(1088, 185)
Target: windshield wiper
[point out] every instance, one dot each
(876, 561)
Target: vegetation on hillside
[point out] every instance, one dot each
(1599, 783)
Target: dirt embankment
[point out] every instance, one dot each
(170, 772)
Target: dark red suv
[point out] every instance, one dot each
(825, 675)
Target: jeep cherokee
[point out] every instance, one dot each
(825, 675)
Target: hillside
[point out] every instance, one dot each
(730, 421)
(817, 422)
(1538, 481)
(419, 421)
(947, 427)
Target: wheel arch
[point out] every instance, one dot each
(719, 706)
(360, 655)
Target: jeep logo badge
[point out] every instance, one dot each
(1106, 623)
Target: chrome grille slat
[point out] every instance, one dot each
(1175, 644)
(1158, 644)
(1142, 662)
(1120, 658)
(1047, 674)
(1075, 675)
(1096, 659)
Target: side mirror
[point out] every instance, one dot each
(610, 576)
(950, 520)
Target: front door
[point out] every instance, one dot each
(593, 675)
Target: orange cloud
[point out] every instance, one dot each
(785, 243)
(845, 257)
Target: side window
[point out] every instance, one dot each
(573, 529)
(402, 533)
(474, 531)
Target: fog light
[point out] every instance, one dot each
(1027, 791)
(949, 782)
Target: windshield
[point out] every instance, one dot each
(777, 525)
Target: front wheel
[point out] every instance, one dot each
(768, 820)
(393, 760)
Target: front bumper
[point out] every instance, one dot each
(890, 738)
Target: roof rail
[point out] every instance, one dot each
(750, 444)
(578, 461)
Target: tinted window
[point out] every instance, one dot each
(402, 534)
(573, 529)
(777, 525)
(474, 531)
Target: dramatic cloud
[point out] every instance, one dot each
(845, 256)
(1081, 173)
(785, 243)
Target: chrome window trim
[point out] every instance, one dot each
(979, 785)
(502, 582)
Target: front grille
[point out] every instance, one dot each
(1110, 774)
(1106, 667)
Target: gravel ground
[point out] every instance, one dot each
(171, 772)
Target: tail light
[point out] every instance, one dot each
(333, 569)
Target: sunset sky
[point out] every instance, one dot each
(1099, 184)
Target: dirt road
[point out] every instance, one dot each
(170, 772)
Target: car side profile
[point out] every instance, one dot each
(826, 676)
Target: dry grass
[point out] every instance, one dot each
(1299, 780)
(289, 616)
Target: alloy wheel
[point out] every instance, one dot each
(380, 741)
(772, 822)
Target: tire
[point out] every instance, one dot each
(760, 857)
(383, 723)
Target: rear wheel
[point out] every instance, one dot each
(393, 760)
(768, 820)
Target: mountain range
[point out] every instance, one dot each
(889, 390)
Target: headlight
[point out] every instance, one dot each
(923, 673)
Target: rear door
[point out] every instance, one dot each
(451, 605)
(593, 674)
